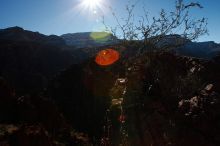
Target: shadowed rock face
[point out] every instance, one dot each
(81, 93)
(169, 99)
(172, 100)
(29, 60)
(33, 121)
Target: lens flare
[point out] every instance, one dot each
(100, 36)
(107, 57)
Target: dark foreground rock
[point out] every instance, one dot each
(166, 100)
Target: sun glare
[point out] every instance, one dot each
(93, 8)
(91, 4)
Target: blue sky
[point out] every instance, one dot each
(67, 16)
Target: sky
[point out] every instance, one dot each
(69, 16)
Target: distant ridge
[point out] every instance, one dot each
(82, 40)
(206, 50)
(19, 34)
(89, 39)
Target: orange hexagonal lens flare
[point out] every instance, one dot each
(107, 57)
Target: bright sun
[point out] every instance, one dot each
(93, 8)
(91, 4)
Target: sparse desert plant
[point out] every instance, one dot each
(150, 31)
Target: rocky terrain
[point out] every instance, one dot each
(52, 96)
